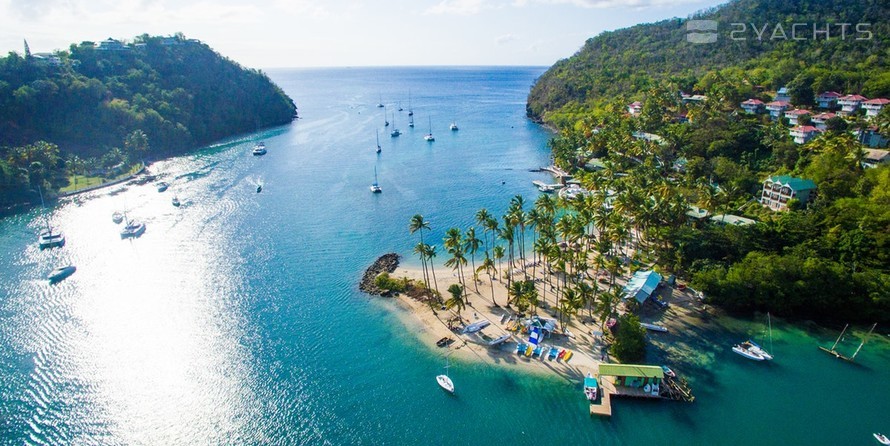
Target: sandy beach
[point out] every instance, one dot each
(583, 337)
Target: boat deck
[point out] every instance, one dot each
(608, 389)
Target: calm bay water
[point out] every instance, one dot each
(236, 318)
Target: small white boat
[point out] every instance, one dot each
(175, 201)
(445, 383)
(668, 372)
(395, 131)
(117, 217)
(475, 326)
(881, 438)
(453, 127)
(499, 340)
(162, 186)
(653, 327)
(259, 149)
(429, 136)
(60, 273)
(133, 229)
(375, 188)
(744, 349)
(591, 387)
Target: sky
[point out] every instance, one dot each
(336, 33)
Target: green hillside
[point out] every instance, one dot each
(625, 63)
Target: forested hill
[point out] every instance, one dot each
(178, 91)
(757, 36)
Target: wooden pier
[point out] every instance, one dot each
(675, 389)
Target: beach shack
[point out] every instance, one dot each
(544, 326)
(642, 285)
(633, 379)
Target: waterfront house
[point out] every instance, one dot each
(780, 189)
(635, 108)
(828, 99)
(753, 106)
(875, 157)
(794, 116)
(873, 106)
(642, 285)
(820, 119)
(776, 108)
(110, 44)
(633, 376)
(802, 134)
(783, 95)
(850, 103)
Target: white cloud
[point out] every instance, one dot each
(460, 7)
(505, 39)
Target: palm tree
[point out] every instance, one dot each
(420, 250)
(471, 244)
(456, 299)
(430, 253)
(506, 233)
(454, 245)
(569, 304)
(487, 266)
(605, 306)
(418, 224)
(491, 225)
(482, 217)
(498, 254)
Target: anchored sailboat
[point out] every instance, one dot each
(840, 356)
(48, 238)
(378, 140)
(444, 381)
(375, 188)
(395, 130)
(429, 136)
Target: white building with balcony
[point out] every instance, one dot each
(779, 190)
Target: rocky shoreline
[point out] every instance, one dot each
(386, 263)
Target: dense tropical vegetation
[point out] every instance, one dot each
(90, 109)
(824, 260)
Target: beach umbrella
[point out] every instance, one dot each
(535, 336)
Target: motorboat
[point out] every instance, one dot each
(133, 229)
(117, 217)
(745, 349)
(50, 239)
(881, 438)
(499, 340)
(175, 201)
(475, 326)
(444, 342)
(259, 149)
(453, 127)
(259, 188)
(59, 274)
(653, 327)
(162, 186)
(591, 388)
(668, 372)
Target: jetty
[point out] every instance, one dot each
(637, 381)
(547, 188)
(836, 354)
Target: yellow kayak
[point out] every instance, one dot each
(567, 356)
(529, 350)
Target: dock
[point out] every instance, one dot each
(674, 389)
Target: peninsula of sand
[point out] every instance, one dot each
(442, 329)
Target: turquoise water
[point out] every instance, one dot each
(236, 318)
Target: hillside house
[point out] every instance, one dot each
(777, 108)
(753, 106)
(828, 99)
(779, 190)
(850, 103)
(873, 106)
(803, 134)
(794, 116)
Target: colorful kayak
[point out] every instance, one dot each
(567, 356)
(561, 354)
(552, 354)
(529, 350)
(520, 349)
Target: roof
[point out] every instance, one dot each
(696, 212)
(783, 90)
(804, 129)
(752, 102)
(641, 285)
(853, 97)
(778, 104)
(734, 220)
(830, 94)
(877, 155)
(794, 183)
(823, 116)
(798, 112)
(642, 371)
(877, 101)
(635, 104)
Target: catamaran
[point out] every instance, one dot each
(48, 238)
(259, 149)
(133, 228)
(59, 274)
(453, 126)
(395, 130)
(429, 136)
(375, 188)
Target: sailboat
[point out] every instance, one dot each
(840, 356)
(400, 106)
(752, 350)
(429, 136)
(411, 120)
(385, 122)
(132, 229)
(48, 238)
(378, 141)
(453, 126)
(410, 110)
(444, 381)
(395, 131)
(380, 104)
(375, 188)
(760, 350)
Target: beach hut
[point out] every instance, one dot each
(642, 285)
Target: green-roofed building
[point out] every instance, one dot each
(780, 189)
(632, 375)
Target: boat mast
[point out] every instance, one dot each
(839, 337)
(864, 340)
(770, 324)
